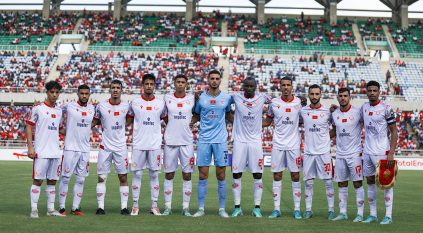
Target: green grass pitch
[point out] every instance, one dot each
(15, 208)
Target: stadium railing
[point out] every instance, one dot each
(138, 91)
(24, 47)
(411, 55)
(21, 144)
(146, 49)
(302, 52)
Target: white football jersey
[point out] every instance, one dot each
(317, 123)
(286, 117)
(78, 126)
(377, 118)
(348, 131)
(147, 115)
(113, 120)
(46, 120)
(179, 112)
(248, 117)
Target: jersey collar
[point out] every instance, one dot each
(377, 102)
(142, 97)
(110, 102)
(48, 105)
(251, 97)
(82, 105)
(318, 107)
(174, 94)
(288, 101)
(346, 109)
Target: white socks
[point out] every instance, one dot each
(187, 192)
(124, 193)
(63, 191)
(168, 191)
(236, 190)
(309, 184)
(78, 190)
(136, 187)
(51, 196)
(276, 191)
(359, 194)
(330, 194)
(35, 196)
(154, 187)
(343, 199)
(258, 191)
(296, 194)
(101, 193)
(389, 199)
(371, 196)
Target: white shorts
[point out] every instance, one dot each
(370, 163)
(317, 166)
(348, 168)
(46, 169)
(142, 159)
(247, 154)
(282, 159)
(185, 154)
(75, 162)
(119, 158)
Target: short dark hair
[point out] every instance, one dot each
(53, 85)
(287, 79)
(148, 77)
(181, 76)
(214, 72)
(83, 87)
(314, 86)
(374, 84)
(249, 79)
(344, 89)
(115, 81)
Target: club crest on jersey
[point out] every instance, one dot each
(222, 102)
(322, 114)
(351, 118)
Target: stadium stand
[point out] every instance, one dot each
(97, 70)
(409, 76)
(331, 74)
(409, 41)
(24, 71)
(153, 31)
(295, 34)
(30, 28)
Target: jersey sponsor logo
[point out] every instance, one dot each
(288, 110)
(314, 129)
(344, 133)
(212, 115)
(148, 122)
(248, 117)
(52, 127)
(179, 116)
(117, 126)
(371, 128)
(287, 121)
(82, 124)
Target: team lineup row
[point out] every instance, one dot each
(212, 109)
